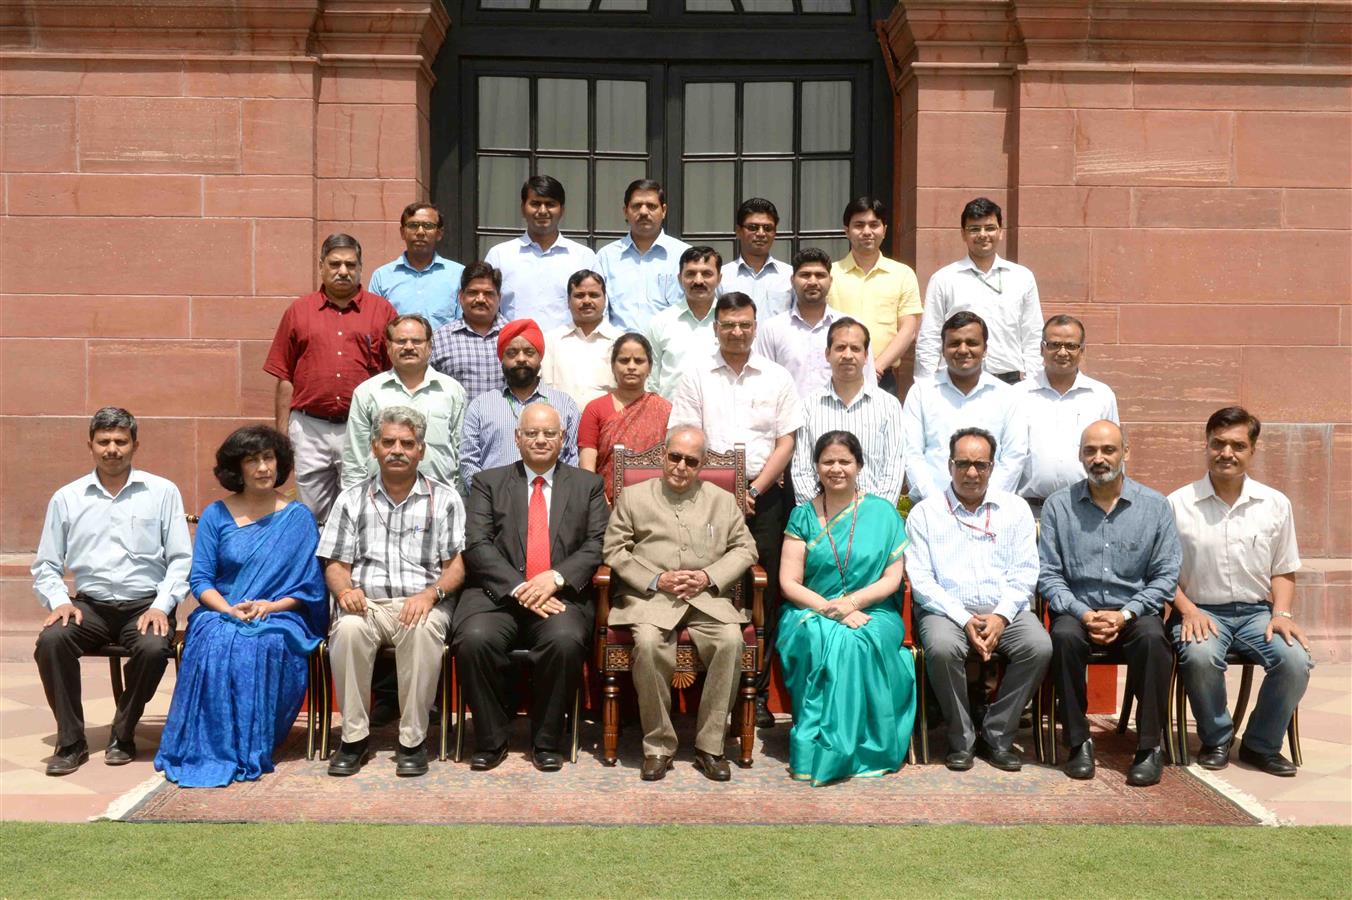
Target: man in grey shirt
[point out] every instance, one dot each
(1109, 560)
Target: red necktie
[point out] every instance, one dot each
(537, 530)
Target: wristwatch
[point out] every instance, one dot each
(441, 595)
(558, 580)
(1128, 615)
(1284, 614)
(752, 492)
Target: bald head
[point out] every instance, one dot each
(1103, 451)
(539, 437)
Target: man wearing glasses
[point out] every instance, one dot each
(1059, 402)
(973, 565)
(755, 272)
(421, 281)
(736, 396)
(1003, 293)
(676, 545)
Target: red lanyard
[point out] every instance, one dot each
(984, 530)
(849, 545)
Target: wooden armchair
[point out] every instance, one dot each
(614, 645)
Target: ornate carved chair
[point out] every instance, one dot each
(614, 645)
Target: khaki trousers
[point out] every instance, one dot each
(720, 648)
(354, 639)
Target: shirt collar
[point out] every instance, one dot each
(968, 263)
(461, 325)
(986, 380)
(431, 378)
(865, 393)
(742, 267)
(688, 313)
(92, 481)
(420, 487)
(1044, 383)
(828, 315)
(535, 397)
(438, 262)
(604, 331)
(1247, 491)
(627, 244)
(956, 505)
(547, 475)
(755, 362)
(1130, 491)
(354, 303)
(884, 264)
(525, 243)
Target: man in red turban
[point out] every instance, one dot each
(529, 332)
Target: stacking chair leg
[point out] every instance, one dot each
(325, 699)
(577, 724)
(459, 721)
(115, 673)
(1242, 700)
(1179, 719)
(921, 729)
(1128, 698)
(447, 676)
(1293, 738)
(311, 719)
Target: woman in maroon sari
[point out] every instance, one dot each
(630, 414)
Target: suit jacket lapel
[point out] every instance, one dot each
(518, 508)
(558, 508)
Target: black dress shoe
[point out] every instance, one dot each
(1081, 762)
(119, 753)
(546, 760)
(483, 760)
(764, 718)
(348, 759)
(714, 768)
(959, 760)
(1146, 768)
(655, 768)
(1215, 758)
(409, 763)
(1005, 760)
(68, 758)
(1273, 764)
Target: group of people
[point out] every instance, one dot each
(452, 431)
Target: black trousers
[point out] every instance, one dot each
(559, 645)
(767, 528)
(58, 653)
(1149, 656)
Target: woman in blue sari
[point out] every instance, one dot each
(840, 635)
(262, 607)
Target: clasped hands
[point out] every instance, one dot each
(984, 631)
(844, 610)
(253, 610)
(537, 595)
(684, 583)
(1104, 625)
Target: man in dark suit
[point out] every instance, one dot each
(532, 543)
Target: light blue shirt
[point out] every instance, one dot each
(535, 281)
(433, 292)
(119, 548)
(770, 287)
(490, 429)
(639, 286)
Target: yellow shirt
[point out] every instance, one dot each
(878, 298)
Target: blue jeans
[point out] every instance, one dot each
(1202, 667)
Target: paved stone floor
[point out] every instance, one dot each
(1320, 794)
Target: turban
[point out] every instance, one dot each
(525, 328)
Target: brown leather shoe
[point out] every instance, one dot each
(714, 768)
(655, 768)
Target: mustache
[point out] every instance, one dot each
(397, 457)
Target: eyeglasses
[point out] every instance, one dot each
(1058, 346)
(421, 226)
(549, 434)
(676, 459)
(408, 342)
(981, 229)
(737, 326)
(758, 228)
(962, 465)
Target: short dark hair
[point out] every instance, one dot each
(845, 322)
(248, 441)
(980, 208)
(339, 241)
(1061, 320)
(754, 206)
(733, 300)
(811, 255)
(481, 269)
(407, 317)
(413, 208)
(962, 320)
(844, 439)
(630, 337)
(699, 254)
(582, 275)
(970, 432)
(112, 417)
(1227, 417)
(864, 204)
(645, 184)
(546, 186)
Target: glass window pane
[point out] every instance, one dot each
(836, 248)
(562, 114)
(707, 204)
(767, 117)
(565, 4)
(618, 5)
(500, 180)
(823, 193)
(725, 249)
(573, 174)
(767, 6)
(826, 116)
(612, 177)
(504, 113)
(710, 113)
(504, 4)
(774, 182)
(621, 116)
(488, 241)
(708, 6)
(827, 6)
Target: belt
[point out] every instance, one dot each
(336, 420)
(116, 601)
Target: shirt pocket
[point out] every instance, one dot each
(1127, 559)
(438, 428)
(142, 536)
(763, 413)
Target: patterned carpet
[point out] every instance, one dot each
(589, 793)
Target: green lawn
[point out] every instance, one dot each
(114, 859)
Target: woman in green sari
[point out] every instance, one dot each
(840, 635)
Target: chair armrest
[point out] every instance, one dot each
(758, 582)
(601, 581)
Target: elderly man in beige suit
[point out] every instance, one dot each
(676, 545)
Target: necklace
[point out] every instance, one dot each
(849, 544)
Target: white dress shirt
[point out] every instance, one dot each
(1055, 423)
(1005, 298)
(935, 409)
(639, 285)
(754, 407)
(770, 287)
(678, 339)
(1231, 553)
(122, 547)
(872, 415)
(800, 347)
(579, 364)
(535, 281)
(962, 562)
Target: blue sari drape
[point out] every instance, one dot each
(853, 690)
(240, 685)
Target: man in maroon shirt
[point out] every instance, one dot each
(327, 343)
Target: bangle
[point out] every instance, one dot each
(346, 592)
(1284, 614)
